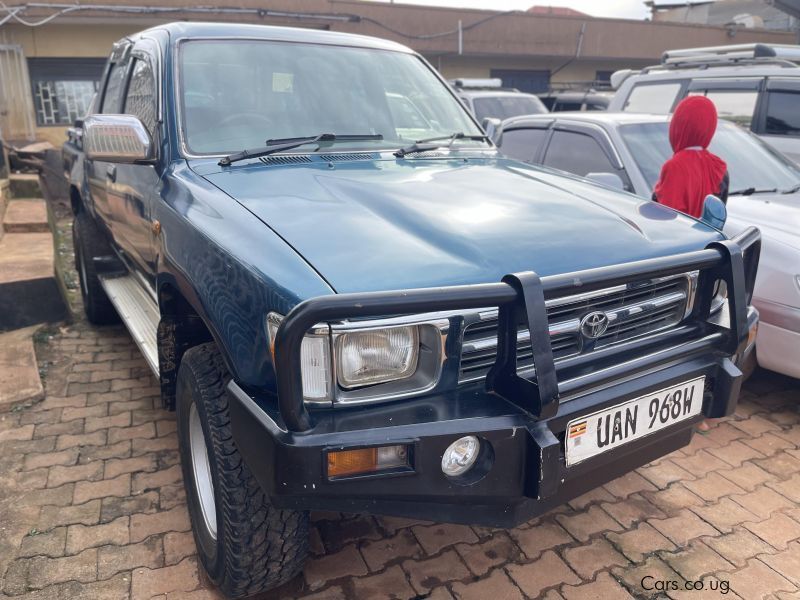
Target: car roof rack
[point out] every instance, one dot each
(484, 83)
(777, 54)
(594, 85)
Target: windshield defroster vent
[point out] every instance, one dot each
(349, 156)
(284, 160)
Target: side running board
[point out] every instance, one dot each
(139, 313)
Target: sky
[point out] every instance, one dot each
(629, 9)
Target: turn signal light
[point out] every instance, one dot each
(342, 463)
(751, 335)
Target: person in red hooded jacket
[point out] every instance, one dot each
(693, 172)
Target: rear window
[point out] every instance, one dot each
(655, 98)
(783, 116)
(505, 107)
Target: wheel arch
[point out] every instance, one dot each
(182, 326)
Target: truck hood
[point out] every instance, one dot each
(392, 224)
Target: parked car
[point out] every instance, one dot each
(348, 319)
(629, 149)
(754, 85)
(576, 100)
(487, 99)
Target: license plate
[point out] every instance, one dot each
(610, 428)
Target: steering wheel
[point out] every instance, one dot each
(247, 118)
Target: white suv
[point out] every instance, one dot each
(754, 85)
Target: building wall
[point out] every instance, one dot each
(578, 70)
(518, 41)
(66, 40)
(69, 40)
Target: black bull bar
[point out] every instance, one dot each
(520, 298)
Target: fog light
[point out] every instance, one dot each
(366, 460)
(460, 456)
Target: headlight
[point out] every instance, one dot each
(376, 356)
(351, 363)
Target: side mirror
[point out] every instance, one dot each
(117, 138)
(714, 212)
(609, 180)
(493, 127)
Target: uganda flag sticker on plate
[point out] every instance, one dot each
(577, 429)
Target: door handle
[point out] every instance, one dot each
(111, 172)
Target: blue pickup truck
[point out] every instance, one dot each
(354, 303)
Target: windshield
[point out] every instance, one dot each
(237, 94)
(751, 163)
(505, 107)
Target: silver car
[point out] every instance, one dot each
(627, 150)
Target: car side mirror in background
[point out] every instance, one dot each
(714, 212)
(493, 127)
(609, 180)
(117, 138)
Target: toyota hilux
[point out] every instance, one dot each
(354, 303)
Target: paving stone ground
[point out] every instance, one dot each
(92, 507)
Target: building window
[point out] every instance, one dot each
(63, 88)
(603, 78)
(61, 102)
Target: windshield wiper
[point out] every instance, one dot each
(279, 145)
(750, 191)
(791, 190)
(431, 143)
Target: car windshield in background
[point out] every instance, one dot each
(236, 94)
(505, 107)
(751, 163)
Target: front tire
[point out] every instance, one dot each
(246, 545)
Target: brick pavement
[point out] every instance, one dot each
(92, 506)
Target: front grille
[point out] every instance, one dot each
(633, 310)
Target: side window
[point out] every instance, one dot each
(522, 144)
(652, 98)
(734, 105)
(783, 116)
(114, 88)
(577, 153)
(141, 98)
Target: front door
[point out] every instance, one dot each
(135, 187)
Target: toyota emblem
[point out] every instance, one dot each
(594, 324)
